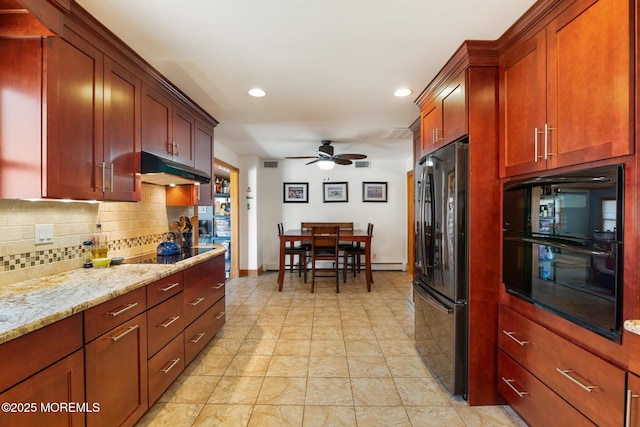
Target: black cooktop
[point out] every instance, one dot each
(153, 258)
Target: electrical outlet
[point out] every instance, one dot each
(44, 234)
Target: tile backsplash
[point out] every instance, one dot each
(131, 229)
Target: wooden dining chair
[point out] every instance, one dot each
(293, 250)
(324, 248)
(353, 256)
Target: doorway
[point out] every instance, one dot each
(226, 213)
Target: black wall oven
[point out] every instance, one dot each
(563, 246)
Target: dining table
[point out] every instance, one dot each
(304, 235)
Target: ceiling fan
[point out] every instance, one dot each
(326, 159)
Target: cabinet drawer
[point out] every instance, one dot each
(592, 385)
(165, 367)
(164, 322)
(108, 315)
(163, 289)
(534, 401)
(30, 353)
(202, 330)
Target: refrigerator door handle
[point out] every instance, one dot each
(435, 303)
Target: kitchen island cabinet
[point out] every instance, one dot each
(559, 106)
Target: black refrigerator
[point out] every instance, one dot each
(441, 283)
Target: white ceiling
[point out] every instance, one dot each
(329, 66)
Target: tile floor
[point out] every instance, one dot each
(293, 358)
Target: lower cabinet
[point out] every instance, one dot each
(116, 374)
(590, 387)
(164, 367)
(203, 329)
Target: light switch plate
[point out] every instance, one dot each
(44, 234)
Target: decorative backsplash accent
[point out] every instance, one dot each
(48, 256)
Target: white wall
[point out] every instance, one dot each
(389, 219)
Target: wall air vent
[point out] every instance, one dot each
(270, 164)
(362, 163)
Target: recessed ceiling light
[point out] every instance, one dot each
(257, 92)
(402, 92)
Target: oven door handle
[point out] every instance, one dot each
(561, 244)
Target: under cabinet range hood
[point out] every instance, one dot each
(156, 170)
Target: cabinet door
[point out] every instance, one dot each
(116, 374)
(633, 400)
(183, 136)
(42, 393)
(156, 123)
(204, 162)
(430, 122)
(523, 77)
(589, 82)
(73, 148)
(121, 133)
(453, 108)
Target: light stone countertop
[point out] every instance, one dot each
(33, 304)
(632, 326)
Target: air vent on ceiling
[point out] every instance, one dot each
(362, 163)
(270, 164)
(400, 133)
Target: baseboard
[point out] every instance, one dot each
(251, 273)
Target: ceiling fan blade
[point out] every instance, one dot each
(324, 155)
(301, 157)
(351, 156)
(340, 161)
(313, 161)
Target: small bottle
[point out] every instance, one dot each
(87, 245)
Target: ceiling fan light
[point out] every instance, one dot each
(326, 164)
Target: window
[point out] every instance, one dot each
(608, 210)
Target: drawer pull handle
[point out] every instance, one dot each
(168, 288)
(169, 322)
(512, 387)
(220, 315)
(630, 396)
(127, 332)
(198, 337)
(196, 301)
(219, 286)
(123, 309)
(511, 335)
(174, 362)
(566, 372)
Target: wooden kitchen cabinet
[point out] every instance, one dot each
(204, 161)
(168, 130)
(590, 384)
(633, 400)
(559, 106)
(444, 118)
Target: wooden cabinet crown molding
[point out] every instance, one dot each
(30, 18)
(472, 53)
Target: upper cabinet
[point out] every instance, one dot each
(167, 129)
(567, 88)
(443, 115)
(204, 162)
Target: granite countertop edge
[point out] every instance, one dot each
(32, 304)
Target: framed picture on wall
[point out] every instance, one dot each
(295, 192)
(335, 192)
(374, 192)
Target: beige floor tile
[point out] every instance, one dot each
(260, 347)
(363, 348)
(375, 392)
(434, 416)
(190, 389)
(224, 416)
(282, 391)
(333, 416)
(329, 391)
(487, 416)
(223, 346)
(393, 416)
(389, 332)
(295, 333)
(276, 416)
(328, 366)
(421, 392)
(398, 347)
(321, 347)
(247, 365)
(331, 332)
(358, 333)
(236, 390)
(332, 312)
(368, 366)
(288, 366)
(170, 415)
(209, 364)
(408, 366)
(264, 332)
(306, 320)
(292, 348)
